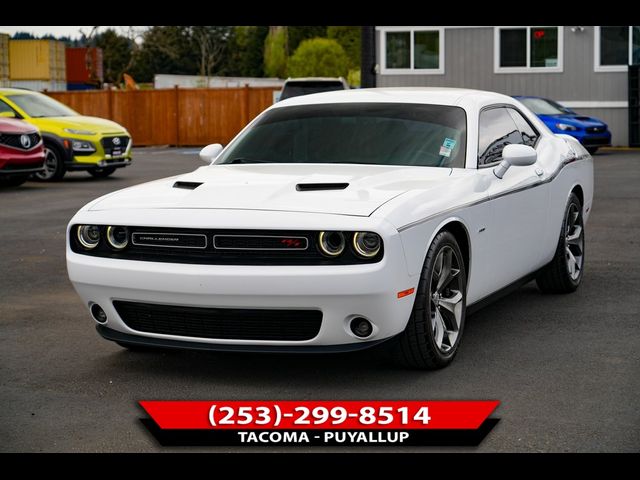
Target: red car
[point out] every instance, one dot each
(21, 151)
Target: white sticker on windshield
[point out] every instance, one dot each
(445, 152)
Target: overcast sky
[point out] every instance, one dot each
(58, 31)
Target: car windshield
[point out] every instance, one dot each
(360, 133)
(542, 106)
(38, 105)
(295, 89)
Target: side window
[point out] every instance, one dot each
(529, 135)
(497, 130)
(4, 107)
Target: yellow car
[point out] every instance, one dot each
(72, 141)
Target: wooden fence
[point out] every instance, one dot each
(175, 116)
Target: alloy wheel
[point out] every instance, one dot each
(574, 241)
(50, 165)
(446, 299)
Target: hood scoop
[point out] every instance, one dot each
(187, 185)
(312, 187)
(583, 119)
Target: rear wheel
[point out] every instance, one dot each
(101, 172)
(592, 150)
(53, 164)
(13, 180)
(434, 330)
(564, 273)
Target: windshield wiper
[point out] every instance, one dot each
(245, 160)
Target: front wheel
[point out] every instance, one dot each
(564, 273)
(53, 165)
(435, 327)
(102, 172)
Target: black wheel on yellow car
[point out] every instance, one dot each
(102, 172)
(53, 164)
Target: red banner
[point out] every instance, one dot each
(308, 415)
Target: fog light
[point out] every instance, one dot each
(118, 237)
(361, 327)
(98, 313)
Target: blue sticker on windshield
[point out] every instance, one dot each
(449, 143)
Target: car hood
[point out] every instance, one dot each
(12, 125)
(277, 187)
(574, 120)
(80, 122)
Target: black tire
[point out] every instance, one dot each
(592, 150)
(558, 276)
(101, 172)
(54, 168)
(416, 346)
(13, 180)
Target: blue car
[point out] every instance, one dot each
(591, 132)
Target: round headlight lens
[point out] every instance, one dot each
(331, 243)
(118, 237)
(367, 244)
(89, 236)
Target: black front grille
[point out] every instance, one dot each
(223, 247)
(595, 129)
(14, 140)
(115, 146)
(220, 323)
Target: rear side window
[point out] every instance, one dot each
(529, 135)
(497, 130)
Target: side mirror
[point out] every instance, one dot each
(209, 153)
(8, 114)
(517, 156)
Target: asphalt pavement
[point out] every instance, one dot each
(565, 368)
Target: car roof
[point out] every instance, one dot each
(424, 95)
(314, 79)
(16, 91)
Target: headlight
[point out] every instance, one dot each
(89, 236)
(566, 127)
(331, 243)
(118, 237)
(367, 244)
(79, 132)
(82, 146)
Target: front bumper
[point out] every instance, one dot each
(340, 292)
(97, 159)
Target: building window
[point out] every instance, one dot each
(616, 47)
(409, 50)
(527, 49)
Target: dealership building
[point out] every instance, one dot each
(586, 68)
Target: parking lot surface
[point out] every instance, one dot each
(566, 368)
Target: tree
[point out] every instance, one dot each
(350, 38)
(211, 42)
(319, 57)
(116, 53)
(245, 57)
(297, 33)
(275, 52)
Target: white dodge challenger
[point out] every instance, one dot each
(338, 221)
